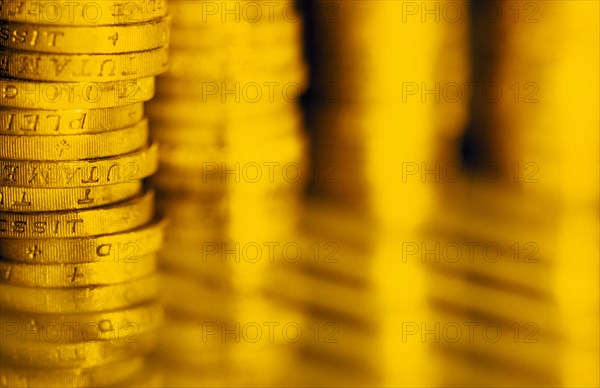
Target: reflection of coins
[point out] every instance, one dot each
(75, 147)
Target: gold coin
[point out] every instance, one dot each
(275, 161)
(234, 130)
(68, 67)
(123, 324)
(84, 173)
(125, 247)
(86, 39)
(74, 95)
(177, 179)
(68, 122)
(83, 12)
(19, 377)
(171, 112)
(23, 199)
(88, 222)
(75, 147)
(285, 86)
(78, 355)
(75, 275)
(206, 66)
(214, 113)
(236, 36)
(78, 300)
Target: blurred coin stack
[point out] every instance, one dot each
(231, 176)
(332, 283)
(385, 100)
(385, 94)
(542, 134)
(78, 229)
(490, 255)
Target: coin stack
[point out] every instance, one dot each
(78, 229)
(529, 105)
(542, 134)
(383, 101)
(231, 176)
(381, 111)
(333, 283)
(490, 255)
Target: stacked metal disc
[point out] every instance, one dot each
(232, 171)
(78, 229)
(513, 246)
(491, 257)
(384, 97)
(332, 283)
(383, 105)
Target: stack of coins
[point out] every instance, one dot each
(491, 257)
(540, 132)
(78, 229)
(386, 97)
(231, 177)
(386, 92)
(520, 105)
(332, 282)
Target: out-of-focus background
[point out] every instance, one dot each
(380, 193)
